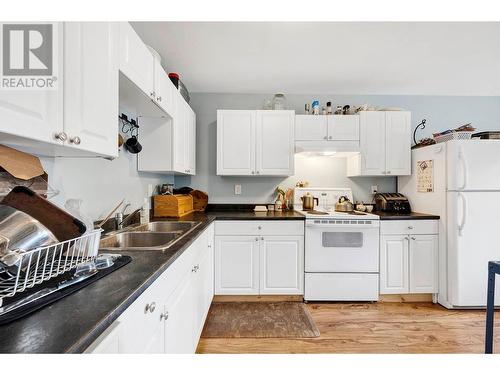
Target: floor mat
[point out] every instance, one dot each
(259, 320)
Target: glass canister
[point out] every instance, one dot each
(279, 101)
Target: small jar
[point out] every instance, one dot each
(278, 205)
(279, 101)
(307, 109)
(329, 109)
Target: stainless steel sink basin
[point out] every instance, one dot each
(141, 241)
(170, 226)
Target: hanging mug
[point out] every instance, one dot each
(132, 145)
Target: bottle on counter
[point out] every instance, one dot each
(144, 213)
(315, 107)
(307, 109)
(323, 111)
(278, 205)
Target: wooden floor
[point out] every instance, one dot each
(375, 328)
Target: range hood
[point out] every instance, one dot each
(329, 148)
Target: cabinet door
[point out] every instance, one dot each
(275, 143)
(423, 263)
(394, 264)
(372, 143)
(164, 89)
(136, 61)
(91, 86)
(179, 135)
(343, 128)
(311, 128)
(190, 140)
(236, 265)
(398, 143)
(180, 313)
(282, 265)
(35, 114)
(236, 142)
(204, 288)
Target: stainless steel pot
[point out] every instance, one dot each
(308, 201)
(344, 205)
(19, 232)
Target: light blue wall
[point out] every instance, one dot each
(441, 113)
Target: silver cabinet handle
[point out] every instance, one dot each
(195, 268)
(256, 238)
(410, 227)
(76, 140)
(258, 172)
(159, 98)
(325, 137)
(150, 307)
(330, 137)
(259, 227)
(153, 94)
(164, 316)
(62, 136)
(413, 238)
(209, 246)
(262, 238)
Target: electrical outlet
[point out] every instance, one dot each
(237, 189)
(374, 189)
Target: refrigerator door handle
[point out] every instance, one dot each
(464, 214)
(463, 164)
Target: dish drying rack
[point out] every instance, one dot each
(44, 263)
(453, 135)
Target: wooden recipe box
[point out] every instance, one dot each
(176, 205)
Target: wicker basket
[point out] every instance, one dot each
(453, 135)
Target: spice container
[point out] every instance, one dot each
(279, 101)
(329, 109)
(307, 109)
(315, 107)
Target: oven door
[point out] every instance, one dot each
(342, 247)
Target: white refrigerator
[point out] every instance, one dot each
(462, 179)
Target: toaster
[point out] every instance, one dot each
(392, 202)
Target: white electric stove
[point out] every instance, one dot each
(341, 249)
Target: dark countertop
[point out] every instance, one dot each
(74, 322)
(246, 212)
(251, 215)
(410, 216)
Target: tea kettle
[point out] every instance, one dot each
(308, 201)
(344, 205)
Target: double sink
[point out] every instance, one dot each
(158, 235)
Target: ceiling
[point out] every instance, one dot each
(365, 58)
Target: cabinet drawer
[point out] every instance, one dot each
(341, 287)
(259, 228)
(409, 227)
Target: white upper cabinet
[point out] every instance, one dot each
(385, 145)
(255, 143)
(91, 86)
(275, 143)
(79, 118)
(398, 143)
(163, 89)
(343, 127)
(136, 61)
(311, 128)
(35, 114)
(327, 128)
(236, 142)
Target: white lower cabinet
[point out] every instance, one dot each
(249, 263)
(168, 317)
(409, 261)
(281, 264)
(236, 265)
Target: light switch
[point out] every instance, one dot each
(237, 189)
(374, 189)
